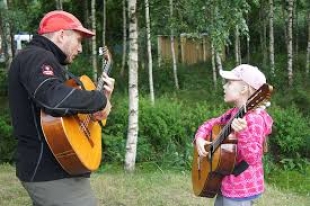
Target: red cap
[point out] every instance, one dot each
(58, 19)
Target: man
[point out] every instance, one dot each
(36, 83)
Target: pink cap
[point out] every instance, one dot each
(247, 73)
(58, 19)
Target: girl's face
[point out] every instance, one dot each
(236, 92)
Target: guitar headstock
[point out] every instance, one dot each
(104, 51)
(260, 98)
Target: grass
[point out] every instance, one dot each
(156, 188)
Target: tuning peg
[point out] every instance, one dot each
(102, 50)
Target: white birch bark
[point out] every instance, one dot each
(218, 60)
(290, 41)
(271, 37)
(94, 45)
(237, 46)
(7, 37)
(174, 62)
(214, 71)
(149, 49)
(132, 135)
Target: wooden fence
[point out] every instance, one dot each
(188, 50)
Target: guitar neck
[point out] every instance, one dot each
(226, 130)
(106, 68)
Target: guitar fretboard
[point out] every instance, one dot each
(226, 130)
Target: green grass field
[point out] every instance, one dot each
(157, 188)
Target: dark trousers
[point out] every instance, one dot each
(63, 192)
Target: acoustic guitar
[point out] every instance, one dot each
(208, 172)
(75, 141)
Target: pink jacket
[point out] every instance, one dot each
(250, 148)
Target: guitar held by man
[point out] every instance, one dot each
(77, 145)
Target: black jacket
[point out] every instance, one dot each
(36, 82)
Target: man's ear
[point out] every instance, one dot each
(59, 36)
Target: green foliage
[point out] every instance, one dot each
(290, 131)
(3, 82)
(297, 163)
(7, 141)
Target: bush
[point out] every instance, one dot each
(7, 141)
(291, 131)
(166, 130)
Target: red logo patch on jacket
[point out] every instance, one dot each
(47, 70)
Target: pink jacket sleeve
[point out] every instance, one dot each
(205, 129)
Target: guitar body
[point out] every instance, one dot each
(76, 148)
(207, 173)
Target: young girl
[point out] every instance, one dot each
(251, 132)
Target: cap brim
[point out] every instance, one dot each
(228, 75)
(85, 32)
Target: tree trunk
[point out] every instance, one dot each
(247, 44)
(218, 60)
(133, 126)
(124, 38)
(104, 18)
(149, 49)
(174, 62)
(213, 65)
(86, 18)
(59, 4)
(271, 38)
(296, 27)
(8, 53)
(290, 41)
(237, 46)
(263, 32)
(308, 48)
(94, 45)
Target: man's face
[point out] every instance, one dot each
(72, 44)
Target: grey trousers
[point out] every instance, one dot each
(223, 201)
(63, 192)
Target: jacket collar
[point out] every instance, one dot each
(47, 44)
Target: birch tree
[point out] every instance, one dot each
(94, 45)
(237, 46)
(173, 55)
(133, 127)
(290, 7)
(6, 33)
(149, 49)
(271, 37)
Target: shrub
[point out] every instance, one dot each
(7, 141)
(291, 131)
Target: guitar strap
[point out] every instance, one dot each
(76, 79)
(239, 168)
